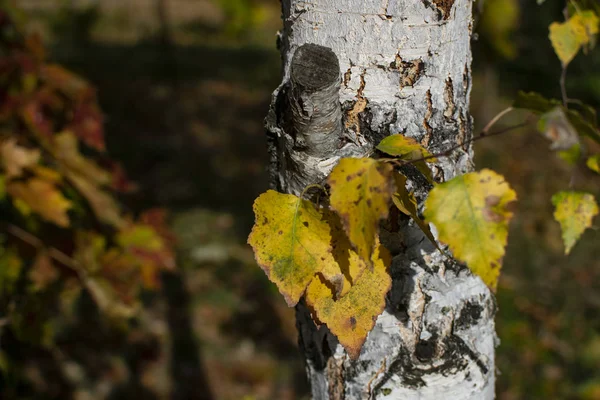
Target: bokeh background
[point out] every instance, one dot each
(184, 86)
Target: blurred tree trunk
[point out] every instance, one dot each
(403, 66)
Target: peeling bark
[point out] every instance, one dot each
(403, 66)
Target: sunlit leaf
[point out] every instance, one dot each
(408, 149)
(361, 189)
(353, 316)
(471, 215)
(574, 212)
(291, 242)
(568, 37)
(43, 198)
(348, 267)
(15, 158)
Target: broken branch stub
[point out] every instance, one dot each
(316, 114)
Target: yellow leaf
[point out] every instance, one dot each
(593, 163)
(405, 202)
(103, 205)
(568, 37)
(348, 266)
(408, 149)
(15, 158)
(585, 25)
(361, 189)
(574, 212)
(471, 215)
(43, 198)
(291, 242)
(66, 151)
(353, 316)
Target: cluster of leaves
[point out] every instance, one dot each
(331, 254)
(63, 232)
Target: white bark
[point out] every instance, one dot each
(405, 68)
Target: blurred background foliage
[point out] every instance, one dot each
(184, 86)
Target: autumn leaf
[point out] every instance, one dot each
(149, 251)
(471, 215)
(352, 317)
(361, 189)
(408, 149)
(568, 37)
(15, 158)
(102, 204)
(291, 242)
(348, 266)
(593, 163)
(66, 150)
(574, 212)
(405, 202)
(42, 273)
(43, 198)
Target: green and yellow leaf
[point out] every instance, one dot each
(408, 149)
(43, 198)
(471, 215)
(361, 189)
(291, 242)
(568, 37)
(352, 317)
(574, 212)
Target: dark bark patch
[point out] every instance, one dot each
(470, 314)
(425, 350)
(443, 7)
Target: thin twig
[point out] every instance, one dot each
(496, 119)
(563, 85)
(446, 153)
(34, 241)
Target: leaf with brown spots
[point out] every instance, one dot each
(471, 215)
(291, 242)
(407, 149)
(352, 317)
(574, 212)
(361, 189)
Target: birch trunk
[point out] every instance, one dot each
(381, 67)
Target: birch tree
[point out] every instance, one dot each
(355, 72)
